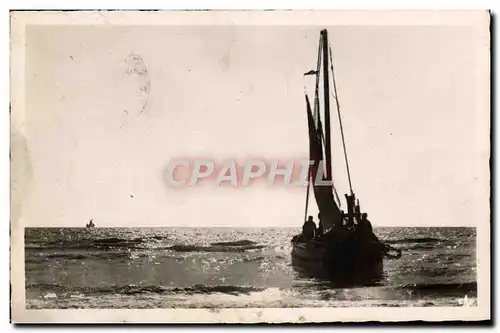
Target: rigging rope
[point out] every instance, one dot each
(340, 118)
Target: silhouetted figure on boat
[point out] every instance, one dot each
(365, 228)
(346, 221)
(320, 229)
(309, 229)
(350, 199)
(357, 212)
(365, 223)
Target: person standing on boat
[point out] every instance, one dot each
(365, 227)
(350, 199)
(357, 212)
(319, 230)
(309, 228)
(344, 220)
(364, 223)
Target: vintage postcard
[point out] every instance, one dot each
(250, 166)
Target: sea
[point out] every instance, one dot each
(140, 268)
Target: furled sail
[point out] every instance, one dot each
(328, 209)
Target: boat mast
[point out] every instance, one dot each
(326, 87)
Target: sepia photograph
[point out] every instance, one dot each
(250, 166)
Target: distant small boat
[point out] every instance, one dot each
(90, 224)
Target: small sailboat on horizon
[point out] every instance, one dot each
(90, 224)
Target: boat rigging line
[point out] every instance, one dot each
(340, 120)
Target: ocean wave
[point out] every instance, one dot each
(212, 248)
(455, 288)
(90, 244)
(418, 246)
(140, 243)
(413, 240)
(78, 256)
(253, 259)
(243, 242)
(61, 290)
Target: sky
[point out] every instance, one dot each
(108, 107)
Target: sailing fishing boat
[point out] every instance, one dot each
(343, 248)
(90, 224)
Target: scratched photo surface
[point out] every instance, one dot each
(152, 164)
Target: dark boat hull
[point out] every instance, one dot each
(347, 262)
